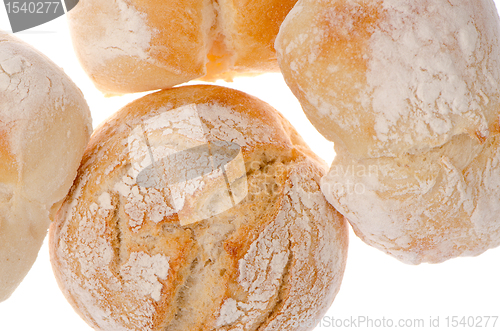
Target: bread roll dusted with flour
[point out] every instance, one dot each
(198, 208)
(131, 46)
(44, 127)
(409, 93)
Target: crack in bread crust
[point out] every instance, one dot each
(282, 288)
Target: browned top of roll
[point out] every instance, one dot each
(257, 246)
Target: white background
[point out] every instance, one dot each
(375, 285)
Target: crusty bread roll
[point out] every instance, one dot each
(198, 208)
(44, 127)
(131, 46)
(408, 90)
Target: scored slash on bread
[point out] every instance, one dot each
(133, 46)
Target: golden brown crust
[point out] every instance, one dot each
(132, 46)
(128, 257)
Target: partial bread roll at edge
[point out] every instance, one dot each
(138, 252)
(132, 46)
(45, 125)
(422, 208)
(409, 93)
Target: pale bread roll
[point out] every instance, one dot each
(131, 46)
(137, 250)
(409, 93)
(44, 127)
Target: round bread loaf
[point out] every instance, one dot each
(132, 46)
(198, 208)
(408, 90)
(44, 127)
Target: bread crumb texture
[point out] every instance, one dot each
(408, 92)
(44, 127)
(126, 260)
